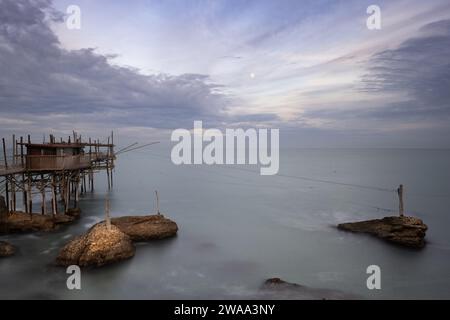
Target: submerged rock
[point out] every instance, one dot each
(18, 222)
(406, 231)
(145, 228)
(276, 288)
(277, 283)
(98, 247)
(6, 249)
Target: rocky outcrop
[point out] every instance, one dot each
(406, 231)
(18, 222)
(6, 249)
(278, 284)
(98, 247)
(145, 228)
(276, 288)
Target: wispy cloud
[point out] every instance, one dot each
(298, 65)
(40, 78)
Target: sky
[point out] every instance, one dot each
(310, 68)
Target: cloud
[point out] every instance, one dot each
(40, 80)
(418, 70)
(315, 67)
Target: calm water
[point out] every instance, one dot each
(237, 228)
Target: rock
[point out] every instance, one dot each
(145, 228)
(276, 288)
(74, 212)
(406, 231)
(98, 247)
(277, 283)
(18, 222)
(6, 249)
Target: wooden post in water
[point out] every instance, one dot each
(6, 179)
(29, 196)
(400, 198)
(157, 203)
(13, 182)
(22, 163)
(84, 182)
(67, 194)
(77, 190)
(111, 154)
(107, 218)
(43, 208)
(107, 167)
(54, 205)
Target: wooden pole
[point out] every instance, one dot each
(54, 205)
(107, 168)
(6, 180)
(400, 198)
(7, 195)
(21, 151)
(91, 185)
(111, 156)
(29, 196)
(84, 182)
(14, 149)
(43, 208)
(67, 195)
(91, 178)
(157, 203)
(22, 163)
(108, 218)
(13, 193)
(29, 193)
(4, 153)
(13, 182)
(77, 194)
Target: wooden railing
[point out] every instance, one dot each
(52, 162)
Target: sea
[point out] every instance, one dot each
(238, 228)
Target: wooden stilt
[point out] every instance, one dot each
(43, 211)
(6, 180)
(54, 203)
(157, 203)
(22, 163)
(400, 198)
(13, 193)
(67, 197)
(77, 195)
(107, 168)
(30, 195)
(111, 155)
(107, 218)
(13, 181)
(92, 181)
(7, 195)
